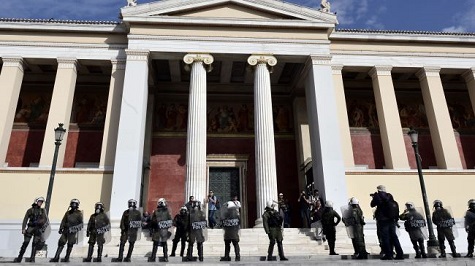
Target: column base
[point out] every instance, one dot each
(258, 223)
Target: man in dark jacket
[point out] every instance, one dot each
(272, 222)
(328, 225)
(386, 224)
(98, 225)
(70, 226)
(180, 222)
(444, 221)
(470, 227)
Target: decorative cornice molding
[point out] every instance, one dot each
(137, 55)
(428, 71)
(198, 57)
(67, 63)
(256, 59)
(13, 61)
(380, 71)
(469, 75)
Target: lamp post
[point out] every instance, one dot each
(58, 136)
(432, 243)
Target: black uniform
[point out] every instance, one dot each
(231, 223)
(354, 220)
(328, 226)
(71, 225)
(98, 225)
(413, 223)
(272, 222)
(161, 223)
(180, 222)
(444, 221)
(130, 223)
(196, 229)
(470, 228)
(37, 221)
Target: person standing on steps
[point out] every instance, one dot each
(180, 222)
(272, 222)
(130, 223)
(71, 225)
(197, 231)
(213, 204)
(231, 224)
(98, 225)
(34, 225)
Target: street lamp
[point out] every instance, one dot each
(432, 243)
(58, 136)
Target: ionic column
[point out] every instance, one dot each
(345, 134)
(266, 177)
(441, 131)
(395, 155)
(10, 79)
(327, 159)
(196, 136)
(469, 77)
(111, 124)
(59, 110)
(128, 167)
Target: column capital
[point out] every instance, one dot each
(320, 59)
(118, 64)
(137, 55)
(425, 72)
(469, 75)
(198, 57)
(380, 71)
(13, 61)
(336, 69)
(67, 63)
(256, 59)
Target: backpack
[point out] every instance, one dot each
(390, 209)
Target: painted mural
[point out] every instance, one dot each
(412, 110)
(33, 108)
(361, 110)
(222, 118)
(89, 108)
(461, 111)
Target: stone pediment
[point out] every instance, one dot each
(260, 10)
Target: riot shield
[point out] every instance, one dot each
(45, 230)
(103, 226)
(443, 219)
(162, 223)
(230, 222)
(421, 223)
(198, 226)
(135, 225)
(75, 225)
(348, 220)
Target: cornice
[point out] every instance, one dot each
(410, 36)
(66, 45)
(400, 54)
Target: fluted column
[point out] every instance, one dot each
(266, 177)
(196, 136)
(345, 133)
(60, 110)
(10, 81)
(111, 124)
(395, 155)
(128, 165)
(469, 77)
(441, 130)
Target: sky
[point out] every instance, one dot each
(414, 15)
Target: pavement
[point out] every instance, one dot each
(254, 260)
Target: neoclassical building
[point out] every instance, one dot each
(242, 97)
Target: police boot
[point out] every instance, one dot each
(237, 250)
(58, 253)
(99, 253)
(454, 250)
(175, 245)
(270, 250)
(189, 252)
(165, 251)
(423, 249)
(22, 251)
(152, 257)
(442, 253)
(33, 254)
(121, 253)
(68, 253)
(89, 254)
(129, 252)
(182, 250)
(331, 246)
(227, 249)
(200, 251)
(281, 251)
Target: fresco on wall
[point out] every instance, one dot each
(461, 111)
(412, 111)
(33, 108)
(362, 110)
(225, 118)
(89, 108)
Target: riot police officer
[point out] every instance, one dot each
(130, 223)
(161, 223)
(98, 225)
(36, 220)
(413, 223)
(444, 221)
(272, 222)
(71, 225)
(180, 221)
(197, 230)
(470, 227)
(354, 220)
(231, 225)
(328, 225)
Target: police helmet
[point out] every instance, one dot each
(74, 203)
(437, 204)
(39, 199)
(99, 205)
(270, 204)
(183, 209)
(470, 202)
(329, 204)
(410, 205)
(161, 202)
(354, 201)
(132, 203)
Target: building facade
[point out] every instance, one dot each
(244, 97)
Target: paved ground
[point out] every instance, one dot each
(301, 260)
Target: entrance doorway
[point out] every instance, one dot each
(227, 178)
